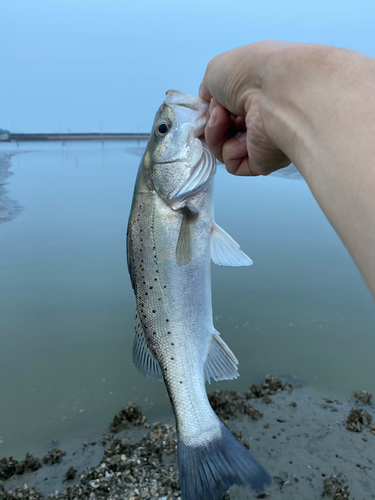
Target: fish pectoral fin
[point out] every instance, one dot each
(143, 358)
(221, 363)
(225, 251)
(185, 243)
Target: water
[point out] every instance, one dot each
(67, 306)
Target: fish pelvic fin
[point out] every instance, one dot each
(225, 251)
(143, 358)
(208, 470)
(221, 363)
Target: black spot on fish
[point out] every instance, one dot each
(167, 320)
(155, 279)
(153, 311)
(180, 381)
(150, 287)
(172, 359)
(169, 333)
(172, 343)
(165, 286)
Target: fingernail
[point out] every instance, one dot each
(213, 118)
(241, 137)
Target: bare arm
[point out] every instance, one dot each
(277, 102)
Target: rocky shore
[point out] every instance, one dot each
(314, 449)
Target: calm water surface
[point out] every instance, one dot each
(67, 306)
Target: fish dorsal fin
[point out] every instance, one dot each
(200, 175)
(143, 358)
(185, 244)
(221, 363)
(225, 251)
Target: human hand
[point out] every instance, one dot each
(237, 84)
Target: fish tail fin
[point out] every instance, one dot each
(208, 470)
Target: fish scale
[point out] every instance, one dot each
(171, 240)
(167, 332)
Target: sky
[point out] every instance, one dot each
(104, 66)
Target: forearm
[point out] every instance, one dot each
(318, 106)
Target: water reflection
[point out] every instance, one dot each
(9, 209)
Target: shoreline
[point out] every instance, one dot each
(313, 448)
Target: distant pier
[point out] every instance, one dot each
(8, 137)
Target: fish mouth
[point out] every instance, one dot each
(169, 161)
(187, 105)
(188, 109)
(176, 96)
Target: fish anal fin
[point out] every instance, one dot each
(221, 363)
(185, 244)
(225, 251)
(143, 358)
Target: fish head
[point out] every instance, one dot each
(181, 164)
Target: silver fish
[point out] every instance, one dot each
(171, 240)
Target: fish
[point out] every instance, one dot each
(171, 239)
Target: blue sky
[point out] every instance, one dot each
(92, 65)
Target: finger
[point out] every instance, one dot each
(237, 124)
(204, 93)
(235, 155)
(216, 131)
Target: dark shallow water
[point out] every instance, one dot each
(67, 307)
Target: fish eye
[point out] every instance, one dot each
(162, 128)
